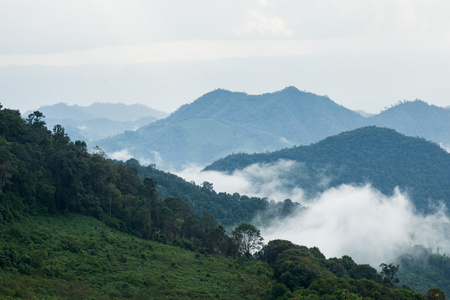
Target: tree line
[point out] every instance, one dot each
(44, 172)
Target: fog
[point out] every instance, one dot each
(153, 157)
(347, 220)
(363, 223)
(266, 180)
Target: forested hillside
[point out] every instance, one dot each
(228, 209)
(79, 257)
(379, 156)
(417, 118)
(44, 172)
(421, 269)
(77, 225)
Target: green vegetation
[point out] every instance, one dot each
(43, 172)
(78, 257)
(248, 239)
(417, 118)
(379, 156)
(77, 225)
(422, 269)
(228, 209)
(75, 256)
(305, 273)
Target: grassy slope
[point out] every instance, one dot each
(79, 257)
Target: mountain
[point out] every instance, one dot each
(222, 122)
(98, 120)
(78, 225)
(380, 156)
(112, 111)
(417, 118)
(95, 129)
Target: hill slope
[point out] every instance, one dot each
(222, 122)
(380, 156)
(78, 257)
(417, 118)
(47, 251)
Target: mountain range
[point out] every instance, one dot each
(222, 122)
(98, 120)
(380, 156)
(50, 182)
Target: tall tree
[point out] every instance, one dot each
(247, 238)
(389, 270)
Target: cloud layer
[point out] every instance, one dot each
(348, 220)
(363, 223)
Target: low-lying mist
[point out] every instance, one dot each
(347, 220)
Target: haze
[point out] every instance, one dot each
(348, 220)
(362, 54)
(365, 55)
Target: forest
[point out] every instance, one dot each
(76, 224)
(379, 156)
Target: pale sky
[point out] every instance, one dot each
(362, 54)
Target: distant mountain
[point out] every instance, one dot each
(380, 156)
(417, 118)
(95, 129)
(98, 120)
(222, 122)
(112, 111)
(63, 111)
(124, 112)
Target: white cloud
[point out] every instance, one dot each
(362, 223)
(258, 180)
(163, 52)
(122, 155)
(363, 54)
(186, 50)
(125, 154)
(261, 23)
(347, 220)
(157, 159)
(221, 182)
(263, 2)
(446, 148)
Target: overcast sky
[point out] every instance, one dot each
(362, 54)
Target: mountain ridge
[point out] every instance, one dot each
(221, 122)
(379, 156)
(98, 120)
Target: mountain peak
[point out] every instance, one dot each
(414, 104)
(290, 89)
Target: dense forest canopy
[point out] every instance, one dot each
(76, 224)
(44, 172)
(379, 156)
(228, 209)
